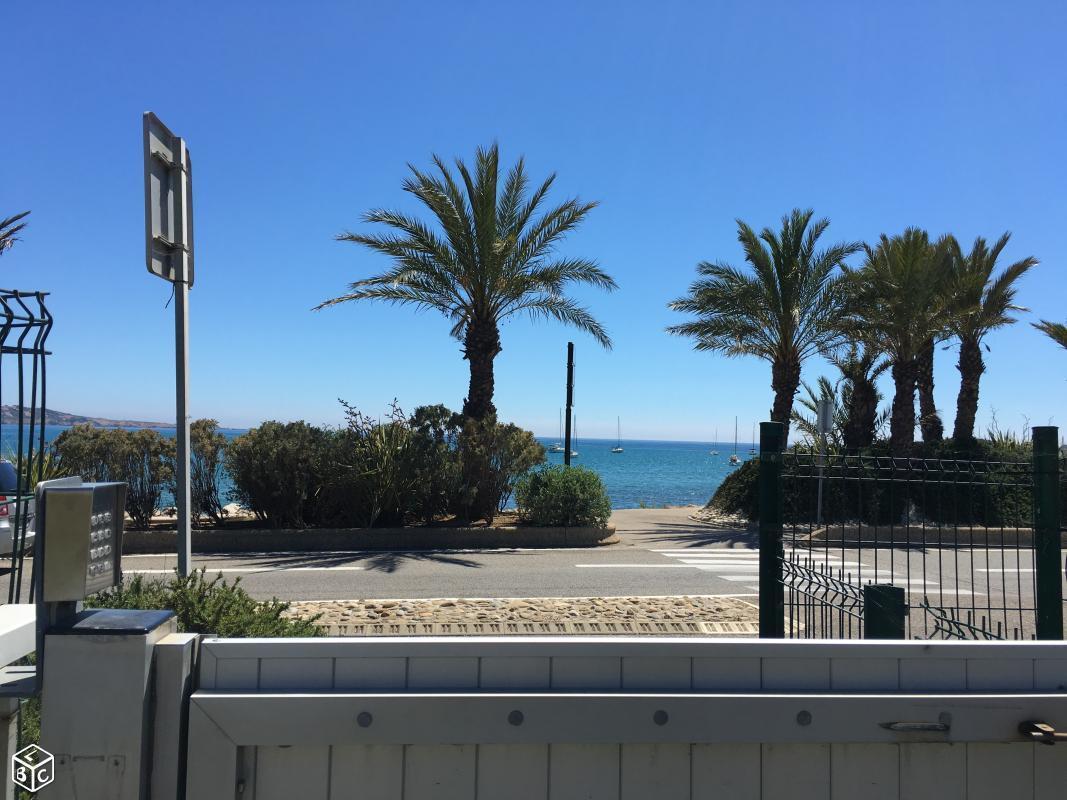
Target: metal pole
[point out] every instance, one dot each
(182, 493)
(885, 611)
(821, 444)
(771, 550)
(570, 403)
(1048, 560)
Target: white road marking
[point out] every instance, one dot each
(215, 570)
(633, 566)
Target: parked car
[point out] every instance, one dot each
(8, 493)
(7, 524)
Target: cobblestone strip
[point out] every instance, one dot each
(700, 608)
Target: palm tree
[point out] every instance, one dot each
(1053, 330)
(897, 299)
(808, 423)
(784, 310)
(980, 303)
(491, 258)
(9, 228)
(860, 365)
(930, 424)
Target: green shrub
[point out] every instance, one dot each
(207, 447)
(276, 471)
(366, 472)
(986, 484)
(493, 456)
(562, 496)
(204, 605)
(90, 452)
(739, 492)
(144, 459)
(147, 466)
(436, 472)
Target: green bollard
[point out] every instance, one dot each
(1048, 560)
(885, 612)
(771, 552)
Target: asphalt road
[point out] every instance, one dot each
(661, 552)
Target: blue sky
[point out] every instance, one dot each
(678, 117)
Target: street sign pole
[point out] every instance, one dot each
(182, 489)
(169, 255)
(570, 404)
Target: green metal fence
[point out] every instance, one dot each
(881, 546)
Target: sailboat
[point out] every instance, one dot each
(618, 436)
(558, 446)
(752, 450)
(574, 429)
(734, 460)
(716, 441)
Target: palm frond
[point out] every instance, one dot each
(482, 255)
(9, 230)
(565, 310)
(1053, 330)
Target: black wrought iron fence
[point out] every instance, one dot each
(25, 323)
(963, 539)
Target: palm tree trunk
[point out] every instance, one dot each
(785, 380)
(862, 413)
(929, 421)
(481, 344)
(971, 366)
(902, 420)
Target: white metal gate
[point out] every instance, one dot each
(624, 718)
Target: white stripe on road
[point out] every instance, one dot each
(214, 570)
(634, 566)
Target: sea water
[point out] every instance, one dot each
(647, 473)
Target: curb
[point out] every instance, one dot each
(318, 540)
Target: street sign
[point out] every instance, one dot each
(168, 217)
(825, 421)
(168, 203)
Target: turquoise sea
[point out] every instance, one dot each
(650, 473)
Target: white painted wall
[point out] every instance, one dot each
(282, 718)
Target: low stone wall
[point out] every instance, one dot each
(930, 535)
(315, 540)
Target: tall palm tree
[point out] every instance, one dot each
(785, 309)
(930, 424)
(860, 365)
(488, 259)
(980, 303)
(806, 419)
(1053, 330)
(897, 298)
(9, 228)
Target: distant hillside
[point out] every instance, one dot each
(9, 415)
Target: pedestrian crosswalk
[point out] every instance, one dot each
(742, 566)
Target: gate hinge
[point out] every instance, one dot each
(1041, 732)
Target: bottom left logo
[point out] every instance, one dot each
(32, 767)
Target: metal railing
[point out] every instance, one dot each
(25, 323)
(973, 544)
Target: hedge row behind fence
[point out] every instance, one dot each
(293, 475)
(380, 473)
(989, 485)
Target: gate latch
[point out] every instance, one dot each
(1041, 732)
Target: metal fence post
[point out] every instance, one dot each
(1048, 561)
(771, 552)
(885, 611)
